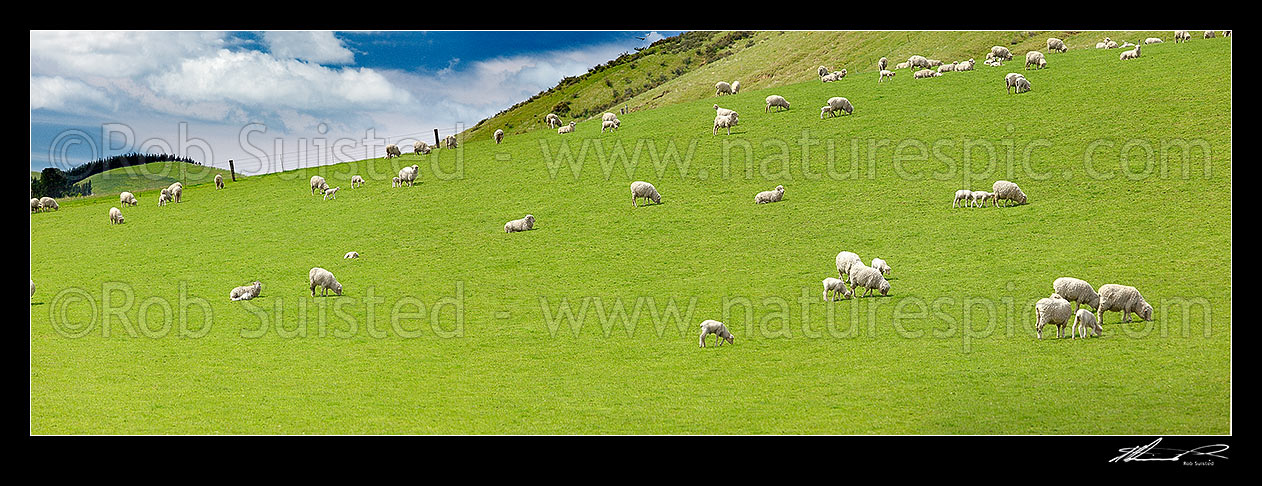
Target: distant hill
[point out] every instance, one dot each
(154, 175)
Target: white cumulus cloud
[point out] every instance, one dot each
(320, 47)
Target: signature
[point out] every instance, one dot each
(1151, 452)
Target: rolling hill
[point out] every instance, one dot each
(152, 176)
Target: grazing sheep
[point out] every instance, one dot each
(331, 193)
(407, 175)
(392, 150)
(356, 181)
(918, 61)
(1051, 310)
(1007, 191)
(965, 65)
(127, 199)
(218, 181)
(246, 292)
(116, 216)
(552, 120)
(902, 65)
(499, 136)
(1131, 54)
(716, 328)
(722, 88)
(776, 101)
(962, 195)
(1077, 291)
(885, 74)
(771, 196)
(1034, 58)
(319, 277)
(868, 278)
(837, 288)
(641, 189)
(1124, 299)
(881, 266)
(736, 85)
(880, 64)
(721, 121)
(420, 148)
(351, 254)
(1000, 52)
(1019, 82)
(1084, 320)
(524, 224)
(836, 104)
(846, 260)
(177, 190)
(979, 198)
(1181, 36)
(1056, 45)
(318, 184)
(1152, 40)
(1209, 34)
(34, 205)
(395, 182)
(926, 73)
(567, 128)
(45, 203)
(450, 142)
(164, 197)
(610, 124)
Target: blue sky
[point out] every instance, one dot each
(278, 100)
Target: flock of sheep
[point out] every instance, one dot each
(852, 273)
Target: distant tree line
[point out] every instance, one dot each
(54, 182)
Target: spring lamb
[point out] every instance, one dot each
(246, 292)
(716, 328)
(837, 288)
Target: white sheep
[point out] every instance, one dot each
(246, 292)
(1056, 45)
(356, 181)
(933, 63)
(1084, 320)
(567, 128)
(395, 182)
(32, 288)
(641, 189)
(164, 197)
(1051, 310)
(902, 65)
(420, 148)
(319, 277)
(608, 117)
(524, 224)
(1131, 54)
(881, 266)
(721, 121)
(331, 193)
(46, 203)
(926, 73)
(610, 125)
(1007, 191)
(776, 101)
(736, 85)
(722, 88)
(881, 64)
(499, 136)
(823, 71)
(177, 190)
(1034, 58)
(552, 120)
(964, 195)
(127, 199)
(722, 111)
(771, 196)
(1152, 40)
(918, 61)
(1124, 299)
(218, 181)
(1181, 36)
(845, 261)
(1000, 52)
(869, 278)
(407, 175)
(351, 254)
(1110, 43)
(318, 184)
(1018, 82)
(1077, 291)
(716, 328)
(965, 65)
(946, 68)
(392, 150)
(836, 104)
(830, 77)
(837, 288)
(116, 216)
(34, 205)
(885, 74)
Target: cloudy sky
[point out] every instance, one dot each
(278, 100)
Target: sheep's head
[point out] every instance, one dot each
(780, 189)
(337, 288)
(1021, 195)
(1145, 311)
(530, 219)
(885, 287)
(120, 219)
(1092, 301)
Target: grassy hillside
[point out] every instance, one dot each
(152, 176)
(681, 70)
(449, 325)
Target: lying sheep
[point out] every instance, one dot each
(1034, 58)
(392, 150)
(611, 125)
(1110, 43)
(830, 77)
(499, 136)
(716, 328)
(407, 175)
(1007, 191)
(946, 68)
(926, 73)
(965, 65)
(1181, 36)
(127, 199)
(356, 181)
(964, 195)
(1152, 40)
(880, 266)
(318, 184)
(1051, 310)
(331, 193)
(771, 196)
(933, 63)
(721, 121)
(420, 148)
(836, 104)
(1126, 44)
(641, 189)
(218, 181)
(776, 101)
(1077, 291)
(351, 254)
(885, 74)
(524, 224)
(246, 292)
(552, 120)
(46, 203)
(1056, 45)
(319, 277)
(1131, 54)
(902, 65)
(837, 288)
(1084, 320)
(868, 278)
(880, 64)
(1001, 53)
(722, 88)
(992, 62)
(822, 71)
(1124, 299)
(567, 128)
(845, 261)
(116, 216)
